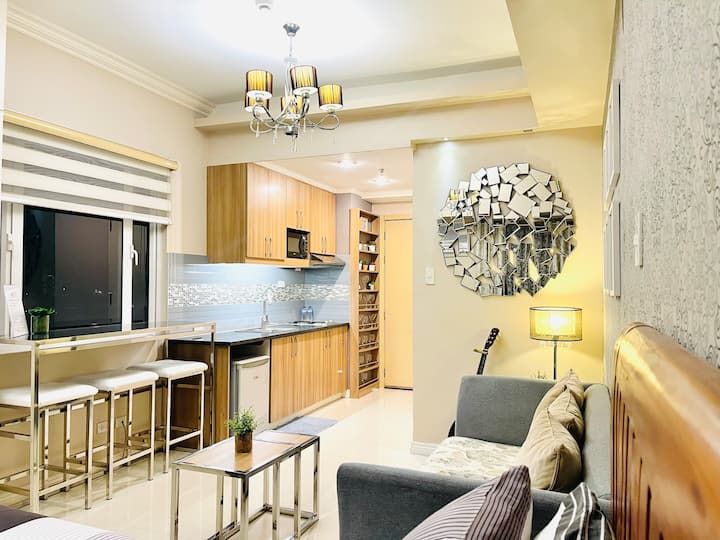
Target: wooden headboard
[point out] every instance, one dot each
(666, 440)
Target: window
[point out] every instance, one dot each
(75, 263)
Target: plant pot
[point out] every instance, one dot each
(40, 325)
(243, 443)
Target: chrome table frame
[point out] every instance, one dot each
(49, 346)
(302, 519)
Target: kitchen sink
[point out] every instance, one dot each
(287, 327)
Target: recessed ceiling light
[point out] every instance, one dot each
(446, 138)
(264, 5)
(347, 163)
(381, 179)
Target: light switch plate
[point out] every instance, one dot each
(429, 275)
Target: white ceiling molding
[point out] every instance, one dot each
(388, 197)
(46, 32)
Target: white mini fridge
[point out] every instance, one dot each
(250, 387)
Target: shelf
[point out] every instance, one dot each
(368, 290)
(369, 383)
(369, 367)
(369, 309)
(366, 252)
(374, 347)
(369, 233)
(371, 328)
(368, 271)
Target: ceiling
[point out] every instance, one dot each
(206, 46)
(327, 172)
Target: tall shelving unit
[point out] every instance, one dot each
(365, 285)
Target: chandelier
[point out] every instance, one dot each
(300, 85)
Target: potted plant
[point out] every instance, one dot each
(40, 319)
(242, 426)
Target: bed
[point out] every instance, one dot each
(21, 525)
(666, 440)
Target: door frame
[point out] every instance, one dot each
(383, 232)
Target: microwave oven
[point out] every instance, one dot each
(297, 244)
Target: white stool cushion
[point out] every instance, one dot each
(116, 380)
(172, 369)
(53, 393)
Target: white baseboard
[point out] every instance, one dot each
(422, 448)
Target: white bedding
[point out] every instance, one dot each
(57, 529)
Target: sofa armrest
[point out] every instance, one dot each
(498, 409)
(385, 503)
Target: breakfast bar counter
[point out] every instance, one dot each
(53, 344)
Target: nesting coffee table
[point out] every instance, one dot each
(270, 450)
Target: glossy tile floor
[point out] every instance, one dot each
(374, 429)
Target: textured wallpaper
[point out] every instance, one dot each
(668, 60)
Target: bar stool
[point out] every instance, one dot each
(113, 385)
(169, 371)
(54, 397)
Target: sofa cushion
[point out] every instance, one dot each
(569, 382)
(471, 458)
(500, 509)
(566, 410)
(552, 454)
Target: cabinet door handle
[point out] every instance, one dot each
(270, 250)
(265, 247)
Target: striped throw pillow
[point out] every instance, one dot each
(500, 509)
(578, 518)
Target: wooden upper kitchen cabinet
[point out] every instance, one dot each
(322, 221)
(298, 204)
(246, 214)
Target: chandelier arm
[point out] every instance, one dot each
(255, 127)
(334, 125)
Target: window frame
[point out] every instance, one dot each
(11, 271)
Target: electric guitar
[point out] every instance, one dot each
(481, 366)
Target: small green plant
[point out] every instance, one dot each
(243, 423)
(41, 311)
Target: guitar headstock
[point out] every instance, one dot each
(492, 337)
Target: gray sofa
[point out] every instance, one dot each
(385, 503)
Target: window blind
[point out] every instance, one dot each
(44, 170)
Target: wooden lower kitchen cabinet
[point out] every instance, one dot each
(306, 369)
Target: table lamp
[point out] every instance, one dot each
(556, 324)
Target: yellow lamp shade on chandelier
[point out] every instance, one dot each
(555, 324)
(258, 84)
(251, 103)
(330, 97)
(294, 108)
(303, 80)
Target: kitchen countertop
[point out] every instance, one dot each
(238, 337)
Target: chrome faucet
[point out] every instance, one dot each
(265, 319)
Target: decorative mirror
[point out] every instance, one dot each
(506, 230)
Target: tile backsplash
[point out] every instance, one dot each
(232, 294)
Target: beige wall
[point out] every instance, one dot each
(392, 209)
(450, 320)
(46, 83)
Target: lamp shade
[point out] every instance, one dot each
(258, 84)
(303, 80)
(251, 102)
(556, 323)
(330, 97)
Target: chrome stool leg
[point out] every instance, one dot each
(128, 433)
(201, 400)
(110, 447)
(67, 418)
(45, 448)
(89, 427)
(151, 457)
(168, 431)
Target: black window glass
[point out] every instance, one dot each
(140, 275)
(73, 263)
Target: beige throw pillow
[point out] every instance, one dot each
(569, 382)
(551, 454)
(566, 411)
